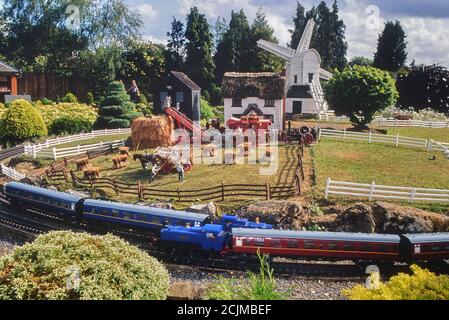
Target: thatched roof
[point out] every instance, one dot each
(6, 68)
(265, 85)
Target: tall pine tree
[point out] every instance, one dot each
(391, 52)
(300, 22)
(199, 62)
(175, 46)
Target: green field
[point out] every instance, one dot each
(362, 163)
(440, 135)
(95, 140)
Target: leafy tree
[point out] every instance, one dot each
(391, 52)
(175, 47)
(207, 112)
(421, 285)
(359, 92)
(145, 63)
(199, 62)
(64, 265)
(22, 121)
(424, 87)
(117, 110)
(361, 61)
(261, 60)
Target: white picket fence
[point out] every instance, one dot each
(382, 122)
(396, 140)
(11, 173)
(374, 191)
(55, 153)
(34, 149)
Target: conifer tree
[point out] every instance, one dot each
(391, 52)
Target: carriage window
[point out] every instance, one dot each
(436, 248)
(381, 248)
(332, 246)
(366, 247)
(309, 244)
(348, 247)
(276, 243)
(259, 242)
(292, 244)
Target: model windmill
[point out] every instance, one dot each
(304, 93)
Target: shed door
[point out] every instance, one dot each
(297, 107)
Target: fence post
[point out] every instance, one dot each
(370, 137)
(371, 192)
(328, 184)
(55, 155)
(78, 148)
(114, 184)
(268, 191)
(179, 194)
(429, 145)
(34, 152)
(412, 198)
(344, 134)
(72, 175)
(397, 139)
(222, 191)
(319, 133)
(139, 190)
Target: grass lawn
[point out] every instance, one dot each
(94, 140)
(203, 176)
(440, 135)
(362, 163)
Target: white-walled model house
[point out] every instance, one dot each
(303, 91)
(260, 94)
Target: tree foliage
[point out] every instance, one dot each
(108, 269)
(21, 122)
(424, 87)
(360, 92)
(175, 52)
(421, 285)
(391, 51)
(117, 110)
(199, 62)
(361, 61)
(70, 125)
(329, 34)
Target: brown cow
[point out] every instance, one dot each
(123, 150)
(120, 161)
(81, 164)
(91, 172)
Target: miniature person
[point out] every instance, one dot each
(134, 91)
(154, 172)
(180, 169)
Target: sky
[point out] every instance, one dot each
(426, 22)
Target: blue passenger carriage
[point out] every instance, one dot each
(25, 195)
(147, 218)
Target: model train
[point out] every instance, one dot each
(99, 213)
(233, 236)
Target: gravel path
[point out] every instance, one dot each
(300, 288)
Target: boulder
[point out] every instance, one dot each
(184, 290)
(356, 218)
(208, 208)
(283, 214)
(158, 205)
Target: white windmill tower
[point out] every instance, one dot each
(304, 93)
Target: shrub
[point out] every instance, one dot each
(70, 125)
(51, 113)
(359, 92)
(146, 109)
(117, 110)
(90, 98)
(260, 286)
(22, 121)
(206, 96)
(47, 102)
(69, 98)
(2, 110)
(422, 285)
(207, 112)
(108, 269)
(142, 99)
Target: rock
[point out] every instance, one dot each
(393, 218)
(81, 194)
(184, 290)
(356, 218)
(159, 205)
(209, 208)
(284, 214)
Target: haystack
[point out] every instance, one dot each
(147, 133)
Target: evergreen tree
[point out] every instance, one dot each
(391, 52)
(175, 47)
(300, 22)
(199, 62)
(220, 28)
(339, 47)
(262, 60)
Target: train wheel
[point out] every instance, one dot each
(308, 139)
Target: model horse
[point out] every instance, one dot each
(145, 159)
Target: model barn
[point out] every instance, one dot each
(185, 95)
(8, 81)
(260, 94)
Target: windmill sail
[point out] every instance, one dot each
(306, 38)
(284, 53)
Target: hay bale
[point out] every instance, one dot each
(147, 133)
